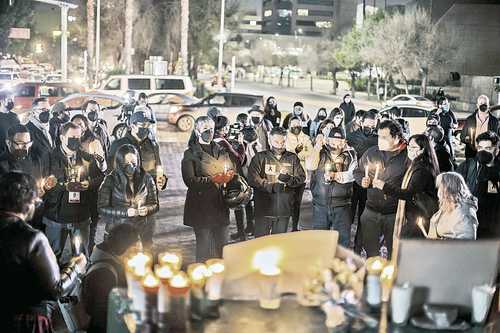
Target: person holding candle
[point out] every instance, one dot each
(128, 195)
(477, 123)
(31, 277)
(299, 143)
(202, 170)
(106, 272)
(331, 184)
(274, 175)
(388, 162)
(68, 203)
(419, 181)
(482, 175)
(456, 217)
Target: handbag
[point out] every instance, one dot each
(426, 204)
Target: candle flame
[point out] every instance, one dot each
(198, 272)
(78, 241)
(170, 258)
(215, 266)
(270, 270)
(375, 265)
(267, 258)
(139, 261)
(179, 280)
(150, 281)
(164, 272)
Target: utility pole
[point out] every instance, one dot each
(184, 35)
(129, 23)
(97, 43)
(221, 42)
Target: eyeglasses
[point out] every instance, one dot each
(23, 144)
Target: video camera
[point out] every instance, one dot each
(234, 131)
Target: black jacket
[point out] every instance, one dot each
(305, 119)
(272, 198)
(149, 151)
(33, 164)
(392, 167)
(421, 181)
(446, 121)
(30, 273)
(274, 116)
(470, 123)
(101, 133)
(115, 197)
(7, 120)
(57, 206)
(204, 206)
(41, 145)
(104, 273)
(484, 183)
(444, 157)
(349, 111)
(360, 142)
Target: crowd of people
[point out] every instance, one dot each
(370, 179)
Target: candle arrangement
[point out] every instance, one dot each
(374, 266)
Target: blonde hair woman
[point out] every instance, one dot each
(456, 217)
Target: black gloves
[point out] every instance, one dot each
(285, 178)
(278, 187)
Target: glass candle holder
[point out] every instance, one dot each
(270, 297)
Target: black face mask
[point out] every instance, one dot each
(74, 144)
(484, 157)
(64, 118)
(207, 136)
(130, 169)
(483, 107)
(255, 120)
(92, 116)
(368, 131)
(296, 130)
(20, 153)
(9, 106)
(321, 117)
(142, 133)
(44, 117)
(278, 151)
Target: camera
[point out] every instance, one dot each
(234, 131)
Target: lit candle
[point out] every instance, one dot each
(374, 266)
(139, 204)
(164, 273)
(172, 259)
(198, 274)
(420, 224)
(159, 171)
(367, 174)
(150, 286)
(225, 168)
(387, 279)
(77, 242)
(80, 174)
(269, 294)
(214, 282)
(179, 291)
(136, 292)
(139, 260)
(377, 167)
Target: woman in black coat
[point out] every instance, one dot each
(271, 112)
(204, 167)
(348, 107)
(419, 178)
(128, 195)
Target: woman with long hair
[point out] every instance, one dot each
(271, 112)
(321, 115)
(456, 217)
(418, 188)
(338, 115)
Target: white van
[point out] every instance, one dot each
(120, 84)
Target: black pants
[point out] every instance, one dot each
(376, 225)
(210, 242)
(240, 216)
(358, 203)
(265, 225)
(297, 201)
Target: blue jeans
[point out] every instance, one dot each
(210, 242)
(336, 218)
(57, 233)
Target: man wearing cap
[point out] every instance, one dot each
(8, 118)
(138, 135)
(274, 175)
(262, 127)
(298, 111)
(332, 166)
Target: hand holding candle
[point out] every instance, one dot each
(77, 241)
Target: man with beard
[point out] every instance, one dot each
(7, 118)
(332, 181)
(274, 175)
(68, 203)
(482, 175)
(38, 125)
(139, 136)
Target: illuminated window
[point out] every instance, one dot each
(324, 24)
(253, 22)
(268, 13)
(302, 12)
(284, 12)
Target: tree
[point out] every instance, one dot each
(348, 55)
(90, 29)
(326, 54)
(19, 15)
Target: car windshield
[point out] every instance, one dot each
(420, 98)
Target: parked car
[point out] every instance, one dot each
(25, 92)
(7, 79)
(164, 103)
(120, 84)
(415, 115)
(54, 77)
(230, 104)
(406, 100)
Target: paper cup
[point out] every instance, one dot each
(401, 303)
(481, 302)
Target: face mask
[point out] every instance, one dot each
(74, 144)
(9, 106)
(297, 111)
(255, 120)
(383, 145)
(65, 118)
(207, 136)
(483, 107)
(129, 169)
(296, 130)
(347, 100)
(44, 117)
(92, 116)
(142, 133)
(368, 131)
(20, 153)
(445, 108)
(484, 157)
(321, 117)
(278, 151)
